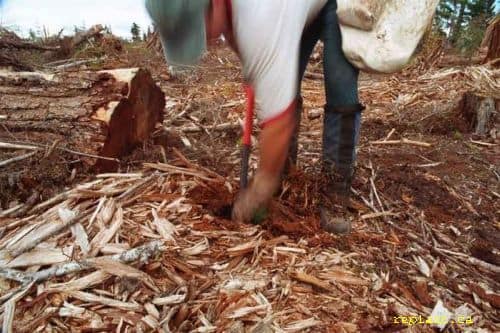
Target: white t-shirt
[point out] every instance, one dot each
(268, 35)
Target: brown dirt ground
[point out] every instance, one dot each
(415, 192)
(219, 82)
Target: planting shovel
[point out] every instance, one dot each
(247, 137)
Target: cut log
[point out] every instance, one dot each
(10, 43)
(8, 61)
(69, 44)
(492, 41)
(5, 43)
(105, 113)
(153, 42)
(81, 37)
(455, 60)
(480, 112)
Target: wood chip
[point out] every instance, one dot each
(91, 298)
(152, 310)
(40, 256)
(81, 238)
(196, 249)
(169, 300)
(243, 249)
(377, 215)
(402, 141)
(301, 325)
(309, 279)
(82, 283)
(10, 308)
(341, 276)
(106, 234)
(163, 226)
(245, 311)
(151, 321)
(116, 268)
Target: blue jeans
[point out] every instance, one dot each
(341, 129)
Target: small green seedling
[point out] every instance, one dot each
(457, 135)
(259, 216)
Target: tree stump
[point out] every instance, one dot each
(105, 113)
(480, 112)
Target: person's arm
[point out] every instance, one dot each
(274, 141)
(268, 37)
(275, 86)
(219, 22)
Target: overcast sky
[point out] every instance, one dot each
(21, 15)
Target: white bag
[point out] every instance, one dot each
(361, 14)
(397, 26)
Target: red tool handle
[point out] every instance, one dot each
(247, 136)
(247, 128)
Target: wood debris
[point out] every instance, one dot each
(151, 247)
(145, 281)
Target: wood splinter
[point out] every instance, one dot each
(402, 141)
(309, 279)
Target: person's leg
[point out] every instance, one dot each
(309, 40)
(342, 115)
(342, 110)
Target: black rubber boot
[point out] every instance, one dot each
(335, 203)
(291, 161)
(340, 134)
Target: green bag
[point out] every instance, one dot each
(181, 24)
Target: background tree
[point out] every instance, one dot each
(80, 28)
(32, 35)
(463, 22)
(483, 7)
(136, 32)
(107, 29)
